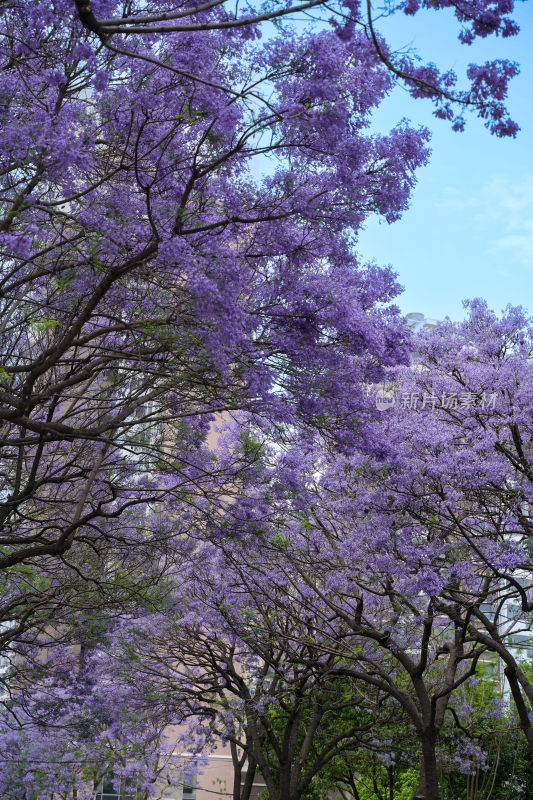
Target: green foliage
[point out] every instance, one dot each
(46, 324)
(251, 446)
(279, 540)
(377, 784)
(508, 774)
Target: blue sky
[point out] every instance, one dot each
(469, 230)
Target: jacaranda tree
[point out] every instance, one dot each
(179, 205)
(416, 565)
(465, 480)
(150, 281)
(399, 576)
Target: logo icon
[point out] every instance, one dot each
(384, 399)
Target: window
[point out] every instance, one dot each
(521, 639)
(189, 782)
(514, 610)
(107, 791)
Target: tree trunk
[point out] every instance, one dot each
(284, 782)
(237, 776)
(248, 783)
(428, 785)
(523, 712)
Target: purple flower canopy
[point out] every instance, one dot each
(155, 284)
